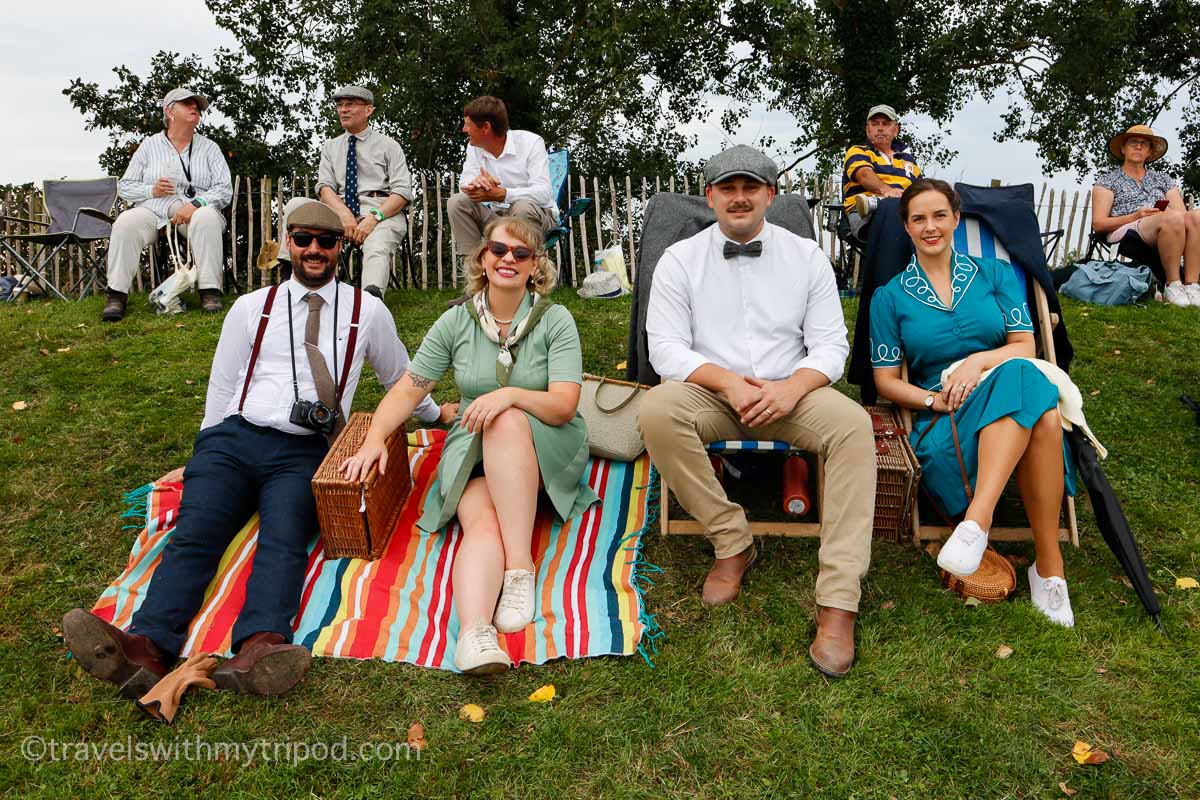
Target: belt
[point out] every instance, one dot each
(375, 194)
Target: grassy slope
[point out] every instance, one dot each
(732, 709)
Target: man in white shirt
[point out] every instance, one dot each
(255, 452)
(506, 173)
(746, 329)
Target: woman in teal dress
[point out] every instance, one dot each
(518, 366)
(947, 308)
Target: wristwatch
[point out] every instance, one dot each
(377, 214)
(929, 402)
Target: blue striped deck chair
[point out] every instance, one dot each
(560, 184)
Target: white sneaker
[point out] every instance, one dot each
(478, 653)
(515, 609)
(1193, 293)
(1177, 295)
(963, 551)
(1049, 596)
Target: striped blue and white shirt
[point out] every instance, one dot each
(156, 157)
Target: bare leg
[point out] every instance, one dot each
(511, 470)
(1001, 446)
(1166, 231)
(1040, 479)
(1191, 248)
(479, 564)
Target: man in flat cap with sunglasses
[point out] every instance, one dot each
(282, 382)
(745, 327)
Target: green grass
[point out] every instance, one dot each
(732, 709)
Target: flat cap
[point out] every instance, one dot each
(886, 110)
(352, 92)
(315, 215)
(175, 95)
(741, 160)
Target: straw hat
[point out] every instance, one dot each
(1158, 145)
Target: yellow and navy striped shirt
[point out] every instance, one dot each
(898, 171)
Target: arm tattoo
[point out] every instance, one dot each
(419, 382)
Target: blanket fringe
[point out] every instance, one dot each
(640, 575)
(137, 506)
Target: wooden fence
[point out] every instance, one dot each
(613, 221)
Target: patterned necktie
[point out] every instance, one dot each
(752, 249)
(316, 362)
(352, 176)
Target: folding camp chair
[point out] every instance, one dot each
(1131, 247)
(560, 185)
(80, 213)
(973, 237)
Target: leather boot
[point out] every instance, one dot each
(724, 581)
(114, 306)
(832, 650)
(128, 660)
(210, 300)
(266, 664)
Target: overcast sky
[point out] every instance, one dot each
(42, 136)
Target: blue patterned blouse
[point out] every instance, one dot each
(1130, 195)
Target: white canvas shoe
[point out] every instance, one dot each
(1177, 295)
(515, 609)
(1050, 596)
(1193, 293)
(478, 653)
(963, 551)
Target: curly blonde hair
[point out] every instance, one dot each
(544, 277)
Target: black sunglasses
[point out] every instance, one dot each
(500, 250)
(326, 241)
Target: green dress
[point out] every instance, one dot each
(549, 352)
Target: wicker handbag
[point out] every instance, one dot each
(612, 421)
(898, 476)
(994, 581)
(357, 518)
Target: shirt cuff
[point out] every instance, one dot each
(428, 411)
(682, 365)
(830, 367)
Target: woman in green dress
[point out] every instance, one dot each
(519, 368)
(948, 312)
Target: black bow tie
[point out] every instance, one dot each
(752, 249)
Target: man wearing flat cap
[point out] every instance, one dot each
(880, 167)
(180, 177)
(745, 327)
(284, 350)
(364, 178)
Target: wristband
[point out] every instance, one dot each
(199, 202)
(377, 214)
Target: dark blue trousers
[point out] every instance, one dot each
(236, 468)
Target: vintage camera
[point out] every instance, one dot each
(316, 416)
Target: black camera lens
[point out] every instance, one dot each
(321, 413)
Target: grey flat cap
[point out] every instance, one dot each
(315, 215)
(175, 95)
(352, 92)
(886, 110)
(741, 160)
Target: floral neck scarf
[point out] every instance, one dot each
(487, 323)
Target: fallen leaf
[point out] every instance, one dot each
(81, 325)
(17, 439)
(622, 365)
(962, 681)
(20, 405)
(1003, 651)
(544, 694)
(1097, 757)
(972, 601)
(1084, 313)
(1067, 790)
(44, 352)
(64, 349)
(1117, 753)
(1149, 381)
(178, 324)
(416, 737)
(57, 631)
(1116, 352)
(933, 548)
(472, 713)
(1084, 753)
(889, 605)
(1096, 392)
(1101, 671)
(190, 383)
(1186, 583)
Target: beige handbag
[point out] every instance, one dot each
(611, 417)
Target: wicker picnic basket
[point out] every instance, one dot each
(994, 581)
(899, 475)
(357, 518)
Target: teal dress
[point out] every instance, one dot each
(549, 352)
(910, 322)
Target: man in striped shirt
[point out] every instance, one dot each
(882, 167)
(177, 177)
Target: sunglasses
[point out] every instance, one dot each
(326, 241)
(500, 250)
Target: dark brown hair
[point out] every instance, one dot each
(488, 109)
(922, 185)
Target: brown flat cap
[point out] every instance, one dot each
(315, 215)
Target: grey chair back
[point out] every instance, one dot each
(64, 198)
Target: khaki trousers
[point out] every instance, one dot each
(378, 249)
(678, 419)
(136, 228)
(468, 219)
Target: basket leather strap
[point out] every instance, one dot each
(351, 343)
(962, 466)
(258, 339)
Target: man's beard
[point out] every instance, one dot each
(314, 273)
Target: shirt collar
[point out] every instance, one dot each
(299, 290)
(720, 238)
(361, 135)
(915, 283)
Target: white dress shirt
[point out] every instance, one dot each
(269, 401)
(157, 158)
(523, 169)
(764, 316)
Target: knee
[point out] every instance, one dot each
(1174, 221)
(126, 222)
(508, 424)
(1191, 220)
(1049, 426)
(459, 202)
(206, 219)
(375, 244)
(658, 409)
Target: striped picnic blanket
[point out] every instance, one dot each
(590, 578)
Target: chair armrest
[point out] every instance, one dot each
(96, 213)
(22, 219)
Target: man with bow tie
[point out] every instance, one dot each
(746, 329)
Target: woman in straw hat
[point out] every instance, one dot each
(1133, 200)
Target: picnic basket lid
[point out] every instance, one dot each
(994, 581)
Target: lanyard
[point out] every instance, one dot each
(187, 172)
(292, 342)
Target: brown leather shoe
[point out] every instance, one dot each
(832, 650)
(210, 301)
(266, 664)
(128, 660)
(114, 306)
(724, 581)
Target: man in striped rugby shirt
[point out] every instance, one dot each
(881, 167)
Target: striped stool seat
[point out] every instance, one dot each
(748, 445)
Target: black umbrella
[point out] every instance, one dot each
(1192, 406)
(1112, 523)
